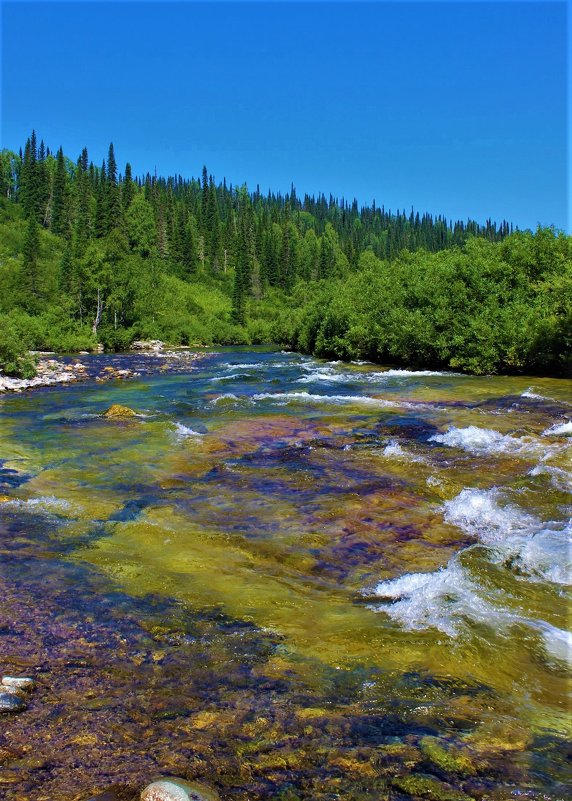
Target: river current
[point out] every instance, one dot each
(289, 578)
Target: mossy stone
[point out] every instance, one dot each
(433, 749)
(117, 410)
(421, 786)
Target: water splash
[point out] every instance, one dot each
(529, 546)
(487, 441)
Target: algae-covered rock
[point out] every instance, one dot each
(436, 752)
(119, 411)
(422, 786)
(499, 736)
(178, 790)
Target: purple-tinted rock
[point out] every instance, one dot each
(10, 702)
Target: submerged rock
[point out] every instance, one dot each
(19, 682)
(119, 411)
(178, 790)
(10, 702)
(428, 787)
(437, 752)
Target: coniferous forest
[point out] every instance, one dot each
(93, 254)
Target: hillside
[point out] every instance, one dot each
(89, 254)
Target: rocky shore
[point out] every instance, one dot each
(152, 356)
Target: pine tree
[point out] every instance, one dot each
(83, 217)
(189, 248)
(30, 277)
(212, 226)
(60, 200)
(101, 205)
(111, 194)
(43, 193)
(127, 189)
(67, 277)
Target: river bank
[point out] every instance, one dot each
(75, 367)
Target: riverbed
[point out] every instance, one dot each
(289, 578)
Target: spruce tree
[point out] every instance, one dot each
(127, 189)
(67, 277)
(30, 277)
(43, 190)
(83, 215)
(212, 226)
(111, 194)
(60, 211)
(101, 205)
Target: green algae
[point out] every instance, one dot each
(441, 756)
(284, 521)
(427, 787)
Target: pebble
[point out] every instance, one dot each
(178, 790)
(9, 702)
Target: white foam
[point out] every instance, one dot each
(559, 478)
(242, 366)
(528, 393)
(532, 547)
(227, 397)
(325, 373)
(306, 397)
(443, 599)
(43, 502)
(394, 449)
(410, 373)
(487, 441)
(560, 429)
(448, 599)
(184, 432)
(229, 377)
(557, 642)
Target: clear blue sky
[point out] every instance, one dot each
(455, 107)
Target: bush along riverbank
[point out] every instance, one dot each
(90, 256)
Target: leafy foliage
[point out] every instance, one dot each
(88, 255)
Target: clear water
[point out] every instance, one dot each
(292, 579)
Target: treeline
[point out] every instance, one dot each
(89, 254)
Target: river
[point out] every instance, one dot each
(289, 578)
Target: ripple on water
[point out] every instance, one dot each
(269, 528)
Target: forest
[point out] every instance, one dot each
(89, 255)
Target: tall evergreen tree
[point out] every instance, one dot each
(30, 290)
(111, 194)
(60, 199)
(101, 203)
(127, 189)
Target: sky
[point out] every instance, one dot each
(455, 108)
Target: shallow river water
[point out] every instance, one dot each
(291, 579)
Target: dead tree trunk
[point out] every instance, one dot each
(97, 320)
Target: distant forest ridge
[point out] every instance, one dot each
(385, 231)
(89, 254)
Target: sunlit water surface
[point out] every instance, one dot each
(292, 578)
